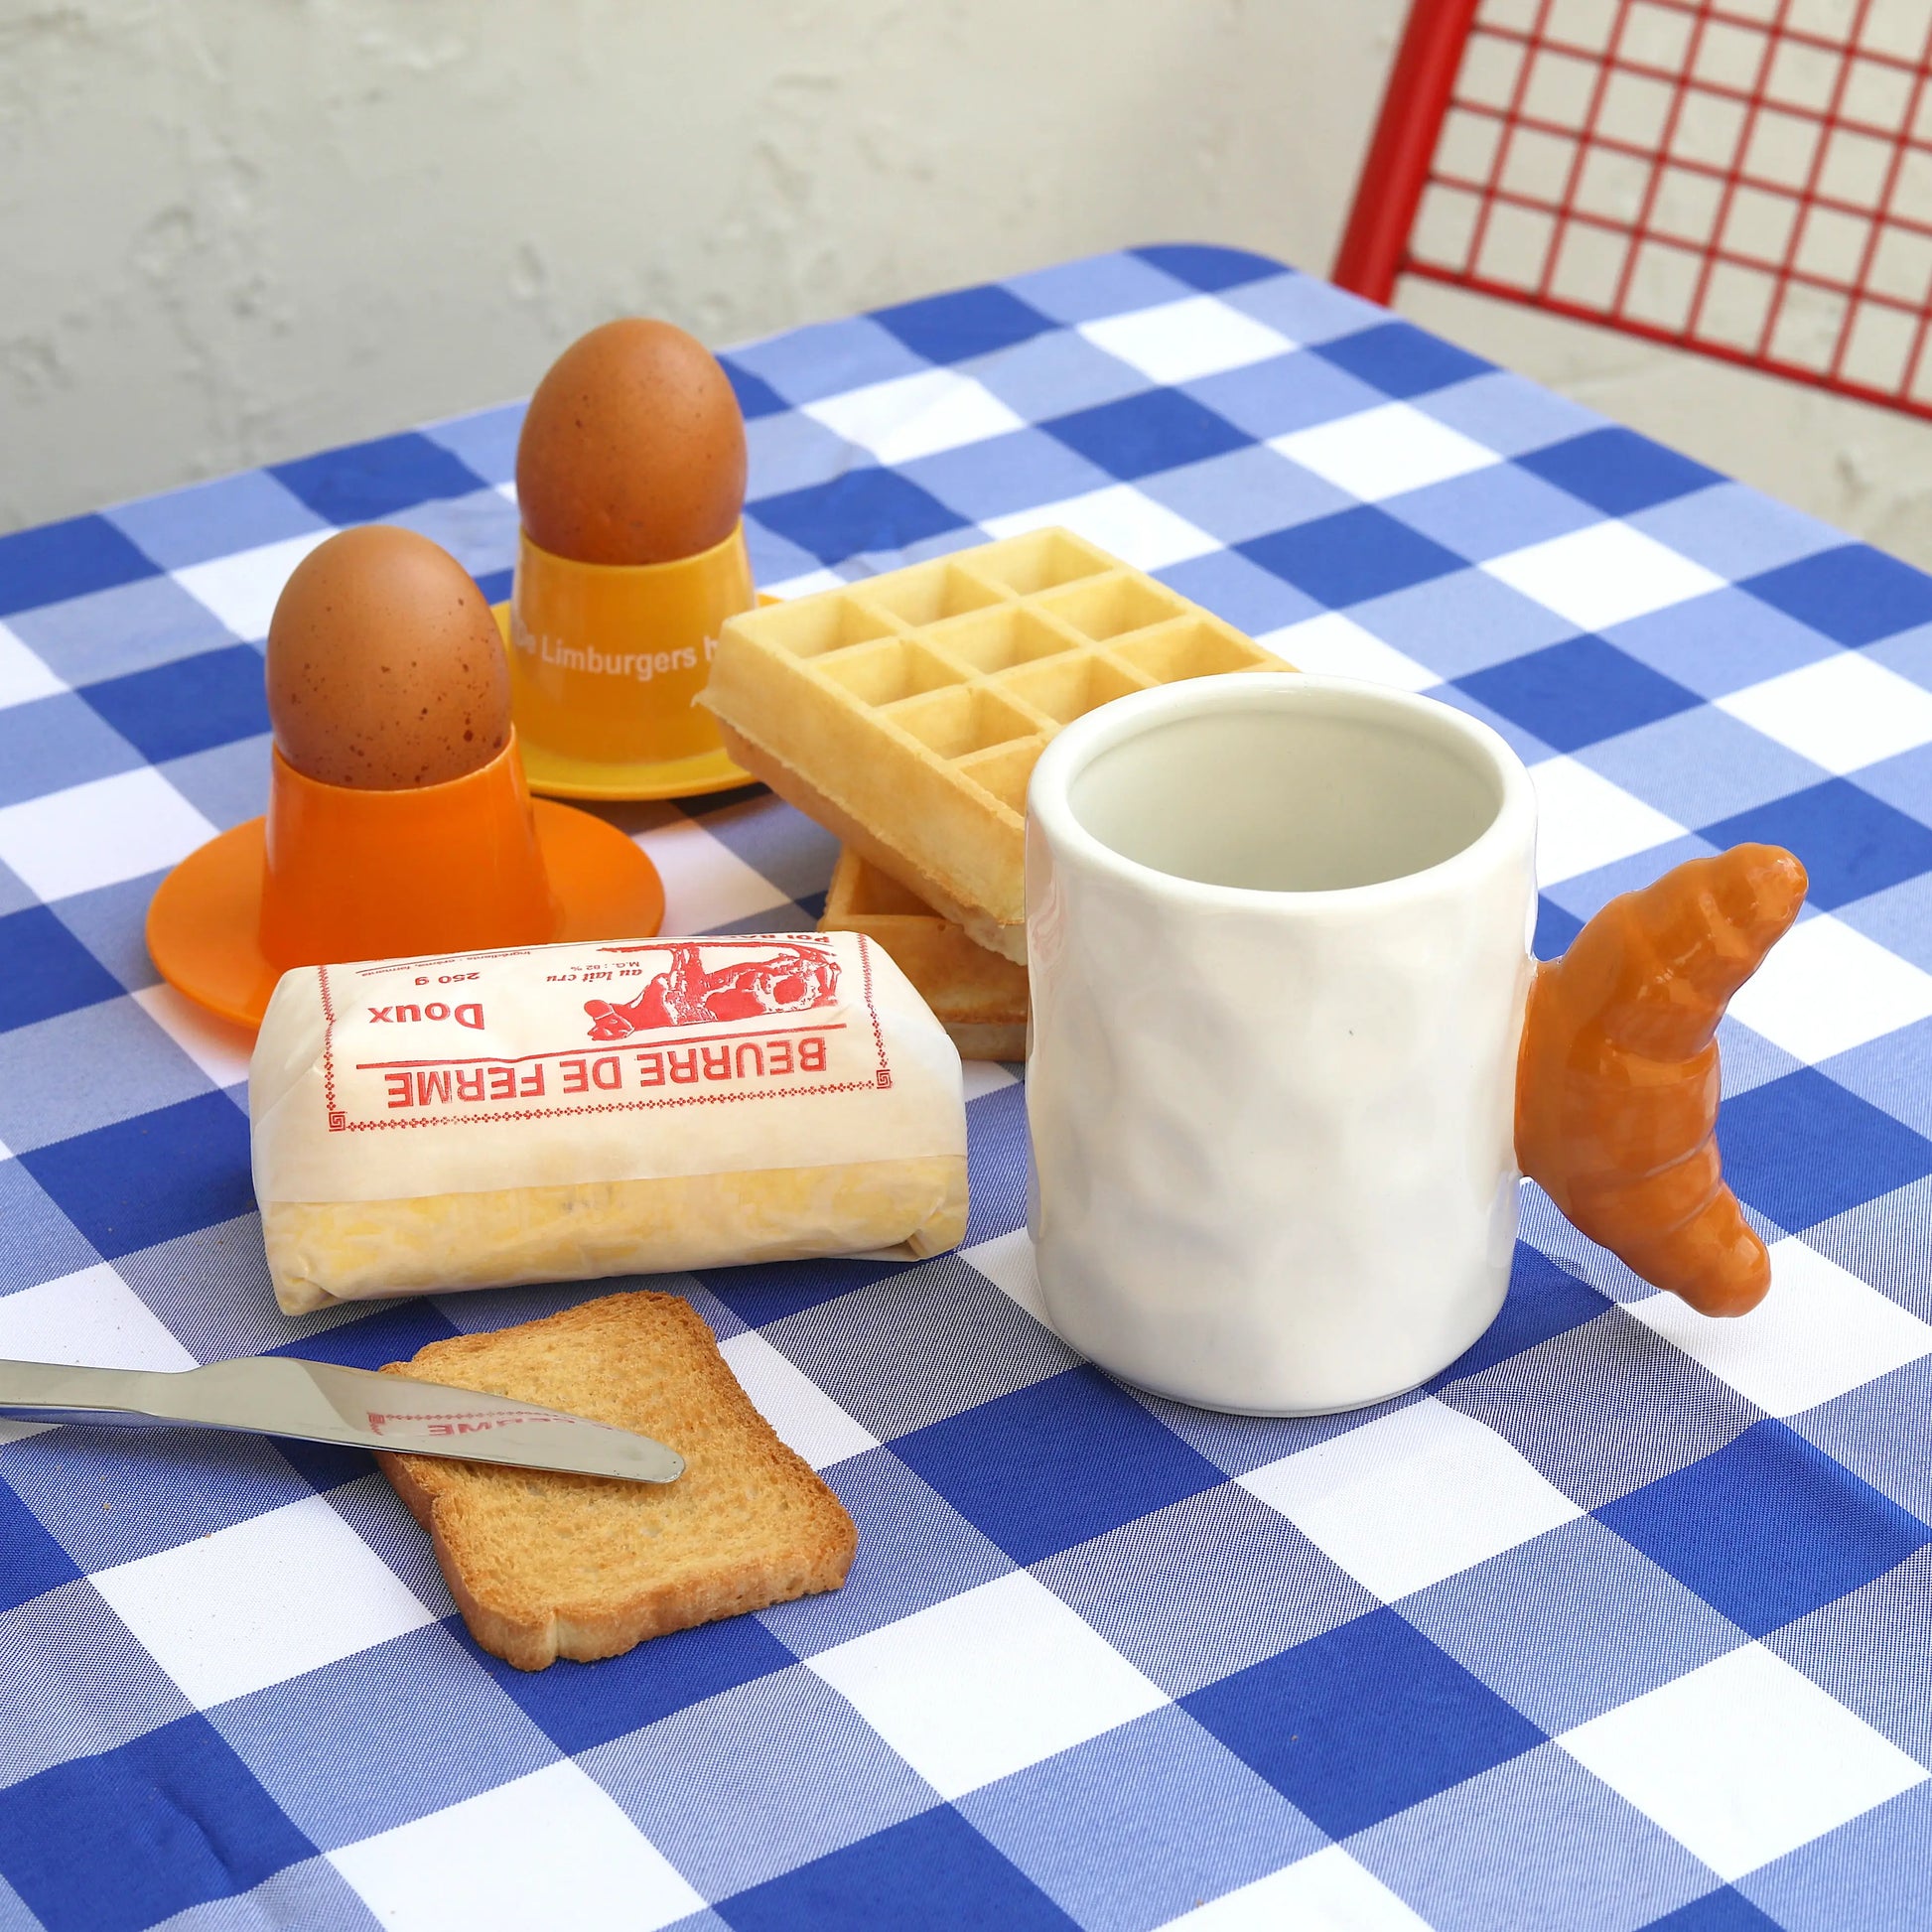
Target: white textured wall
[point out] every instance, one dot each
(235, 230)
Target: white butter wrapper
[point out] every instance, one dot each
(558, 1113)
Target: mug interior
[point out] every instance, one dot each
(1316, 792)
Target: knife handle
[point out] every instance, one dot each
(55, 1392)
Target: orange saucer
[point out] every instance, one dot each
(386, 875)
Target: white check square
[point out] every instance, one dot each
(99, 833)
(808, 585)
(1325, 1892)
(981, 1078)
(1413, 1497)
(1135, 529)
(916, 415)
(22, 676)
(1826, 988)
(1383, 452)
(87, 1318)
(1338, 647)
(1583, 822)
(261, 1601)
(1604, 574)
(219, 1048)
(1007, 1260)
(1743, 1760)
(806, 1417)
(549, 1849)
(1843, 712)
(241, 589)
(1819, 1333)
(1182, 342)
(987, 1683)
(706, 884)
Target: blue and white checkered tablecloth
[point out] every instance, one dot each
(1622, 1621)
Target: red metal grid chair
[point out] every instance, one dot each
(1751, 178)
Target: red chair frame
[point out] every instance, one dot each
(1843, 303)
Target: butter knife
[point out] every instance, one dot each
(319, 1402)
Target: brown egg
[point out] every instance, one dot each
(385, 667)
(633, 449)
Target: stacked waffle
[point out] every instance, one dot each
(905, 713)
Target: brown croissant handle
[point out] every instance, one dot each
(1617, 1081)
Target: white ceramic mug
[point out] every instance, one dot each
(1279, 933)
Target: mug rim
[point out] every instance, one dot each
(1073, 750)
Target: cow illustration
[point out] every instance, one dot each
(791, 979)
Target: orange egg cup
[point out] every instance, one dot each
(336, 873)
(606, 661)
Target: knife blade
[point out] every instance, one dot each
(321, 1402)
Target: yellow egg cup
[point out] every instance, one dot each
(606, 661)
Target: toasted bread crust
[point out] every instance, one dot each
(545, 1565)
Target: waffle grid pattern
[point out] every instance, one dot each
(921, 700)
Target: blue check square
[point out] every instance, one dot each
(1160, 429)
(1362, 1722)
(1854, 594)
(1555, 929)
(45, 970)
(1532, 1846)
(1543, 1301)
(365, 481)
(1210, 269)
(48, 743)
(31, 1560)
(1055, 1462)
(464, 1737)
(965, 322)
(765, 1292)
(1574, 694)
(63, 560)
(755, 396)
(1352, 556)
(580, 1708)
(1136, 1825)
(1723, 1910)
(375, 1338)
(758, 1780)
(1852, 843)
(1204, 1588)
(187, 705)
(122, 1840)
(1802, 1149)
(41, 1243)
(915, 1550)
(996, 1164)
(1767, 1529)
(1401, 360)
(153, 1176)
(1618, 471)
(863, 513)
(1571, 1625)
(933, 1872)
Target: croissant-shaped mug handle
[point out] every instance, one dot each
(1618, 1078)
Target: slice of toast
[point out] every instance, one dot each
(546, 1566)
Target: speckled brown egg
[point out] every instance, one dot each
(385, 667)
(633, 449)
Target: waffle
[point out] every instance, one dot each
(977, 996)
(904, 711)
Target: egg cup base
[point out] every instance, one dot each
(204, 929)
(557, 774)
